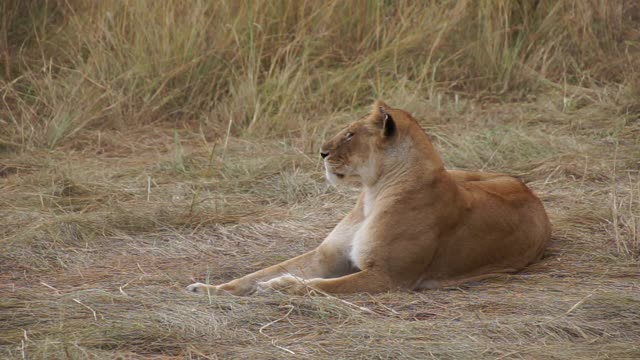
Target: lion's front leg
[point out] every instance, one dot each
(286, 284)
(235, 287)
(369, 281)
(364, 281)
(330, 259)
(314, 264)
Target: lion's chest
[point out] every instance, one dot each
(361, 245)
(368, 203)
(358, 249)
(362, 242)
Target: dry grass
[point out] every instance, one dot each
(148, 144)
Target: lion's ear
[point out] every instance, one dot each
(388, 124)
(375, 107)
(384, 120)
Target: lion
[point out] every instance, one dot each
(415, 225)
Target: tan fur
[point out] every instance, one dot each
(414, 226)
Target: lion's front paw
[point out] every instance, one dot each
(288, 284)
(200, 288)
(235, 287)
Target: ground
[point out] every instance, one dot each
(100, 240)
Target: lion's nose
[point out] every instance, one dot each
(324, 154)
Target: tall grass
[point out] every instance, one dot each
(263, 66)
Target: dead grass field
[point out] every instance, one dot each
(147, 145)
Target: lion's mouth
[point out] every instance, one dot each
(335, 171)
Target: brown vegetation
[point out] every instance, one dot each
(145, 145)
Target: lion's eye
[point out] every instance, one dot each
(349, 135)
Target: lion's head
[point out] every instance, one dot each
(368, 147)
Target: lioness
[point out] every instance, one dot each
(414, 226)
